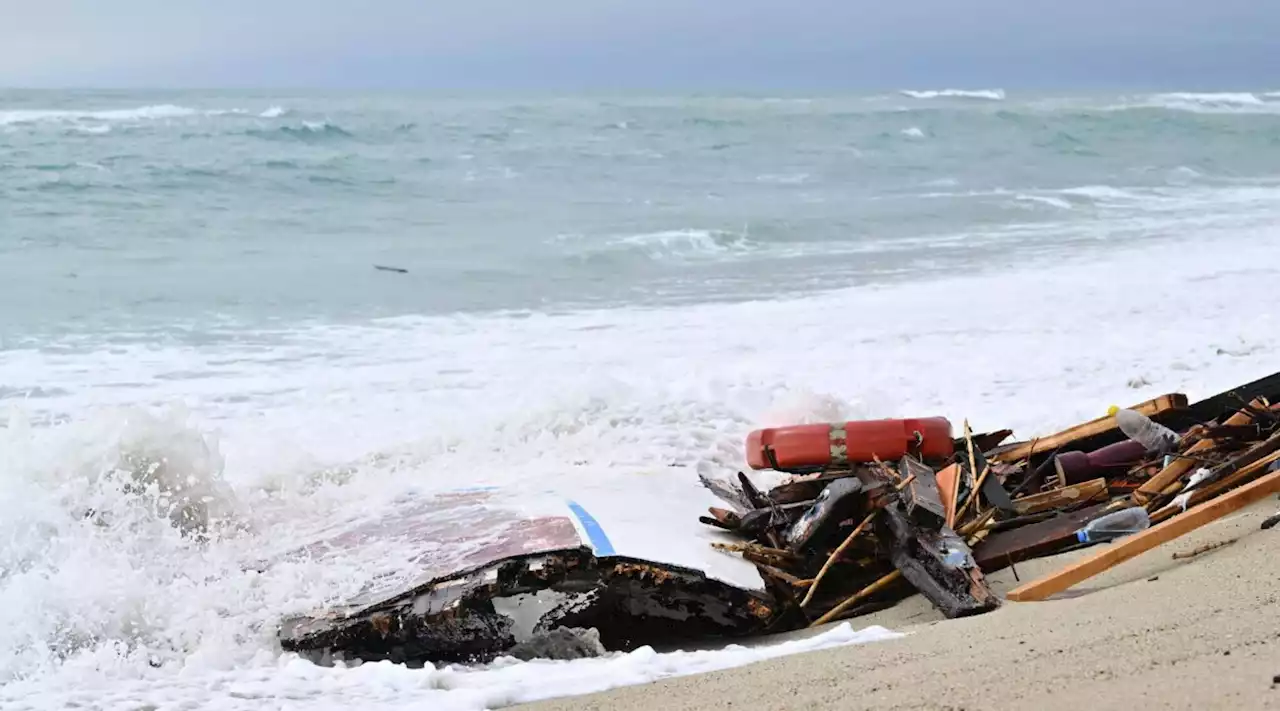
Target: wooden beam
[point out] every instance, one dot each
(1024, 450)
(1132, 546)
(1061, 498)
(1155, 485)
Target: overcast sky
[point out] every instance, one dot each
(643, 44)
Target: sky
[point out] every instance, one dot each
(642, 44)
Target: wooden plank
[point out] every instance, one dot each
(1092, 428)
(949, 490)
(1003, 548)
(920, 497)
(1209, 490)
(1061, 498)
(1132, 546)
(1178, 467)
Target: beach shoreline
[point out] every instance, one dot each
(1155, 632)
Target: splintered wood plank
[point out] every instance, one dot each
(1110, 556)
(1155, 485)
(949, 491)
(1034, 540)
(1061, 498)
(1092, 428)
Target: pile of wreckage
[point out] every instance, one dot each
(868, 514)
(850, 533)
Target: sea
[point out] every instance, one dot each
(309, 305)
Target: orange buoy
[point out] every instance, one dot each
(836, 444)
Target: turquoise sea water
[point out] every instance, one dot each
(190, 213)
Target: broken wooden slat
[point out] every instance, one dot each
(1092, 428)
(1002, 548)
(757, 500)
(1207, 491)
(986, 441)
(920, 498)
(835, 555)
(1061, 498)
(804, 489)
(1139, 543)
(1185, 463)
(836, 502)
(949, 490)
(835, 612)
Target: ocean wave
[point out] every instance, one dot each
(274, 112)
(1049, 200)
(685, 244)
(1204, 102)
(141, 113)
(985, 94)
(1100, 193)
(306, 131)
(913, 132)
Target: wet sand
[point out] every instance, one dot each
(1154, 632)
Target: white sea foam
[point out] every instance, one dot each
(386, 686)
(1202, 102)
(685, 244)
(1101, 193)
(274, 112)
(913, 132)
(1045, 200)
(985, 94)
(141, 113)
(102, 598)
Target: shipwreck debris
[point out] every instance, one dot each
(866, 514)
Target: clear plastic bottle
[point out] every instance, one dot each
(1114, 525)
(1157, 438)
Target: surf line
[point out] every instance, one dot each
(595, 533)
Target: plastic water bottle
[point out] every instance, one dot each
(1114, 525)
(1157, 438)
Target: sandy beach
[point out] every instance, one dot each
(1155, 632)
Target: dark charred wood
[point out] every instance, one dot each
(754, 497)
(1036, 540)
(1227, 403)
(840, 500)
(755, 522)
(805, 489)
(939, 564)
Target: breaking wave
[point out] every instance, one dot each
(985, 94)
(1044, 200)
(274, 112)
(1205, 102)
(141, 113)
(687, 244)
(913, 132)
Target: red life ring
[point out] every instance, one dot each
(837, 444)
